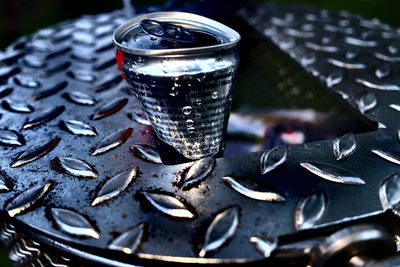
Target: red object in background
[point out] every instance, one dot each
(292, 137)
(120, 61)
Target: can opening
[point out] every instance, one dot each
(174, 34)
(160, 35)
(167, 31)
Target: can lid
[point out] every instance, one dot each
(167, 32)
(173, 34)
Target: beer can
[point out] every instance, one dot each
(180, 66)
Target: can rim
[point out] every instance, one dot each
(200, 22)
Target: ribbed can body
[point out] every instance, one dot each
(180, 66)
(187, 99)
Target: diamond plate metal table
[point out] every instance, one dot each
(81, 181)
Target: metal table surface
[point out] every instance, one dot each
(79, 174)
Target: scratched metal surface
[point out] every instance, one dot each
(78, 164)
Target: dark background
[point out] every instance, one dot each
(22, 17)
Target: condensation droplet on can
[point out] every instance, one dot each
(189, 123)
(187, 110)
(214, 94)
(173, 92)
(164, 62)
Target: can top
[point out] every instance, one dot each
(173, 34)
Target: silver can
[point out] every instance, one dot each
(181, 66)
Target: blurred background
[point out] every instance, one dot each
(23, 17)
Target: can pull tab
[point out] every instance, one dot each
(167, 31)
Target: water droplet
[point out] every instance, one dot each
(310, 210)
(197, 101)
(379, 86)
(306, 60)
(169, 205)
(27, 199)
(128, 241)
(214, 94)
(366, 102)
(334, 78)
(3, 184)
(389, 192)
(173, 92)
(84, 38)
(73, 223)
(273, 158)
(26, 81)
(79, 128)
(5, 91)
(19, 107)
(141, 118)
(110, 81)
(80, 98)
(352, 53)
(344, 146)
(389, 155)
(187, 110)
(189, 123)
(198, 172)
(360, 42)
(147, 152)
(346, 65)
(382, 71)
(34, 61)
(114, 186)
(50, 91)
(221, 229)
(332, 173)
(109, 108)
(54, 69)
(164, 61)
(35, 152)
(82, 75)
(9, 138)
(44, 117)
(7, 71)
(77, 167)
(250, 193)
(112, 141)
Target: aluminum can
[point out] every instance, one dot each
(180, 66)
